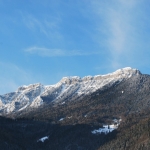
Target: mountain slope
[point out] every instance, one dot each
(119, 103)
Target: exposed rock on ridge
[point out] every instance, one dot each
(69, 88)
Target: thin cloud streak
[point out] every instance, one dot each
(48, 26)
(45, 52)
(116, 23)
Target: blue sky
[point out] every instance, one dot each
(42, 41)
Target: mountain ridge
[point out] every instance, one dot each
(72, 88)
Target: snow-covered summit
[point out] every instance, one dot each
(68, 88)
(31, 86)
(71, 79)
(126, 72)
(121, 73)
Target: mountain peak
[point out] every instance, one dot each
(70, 79)
(30, 86)
(126, 72)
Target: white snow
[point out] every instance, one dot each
(43, 139)
(108, 128)
(24, 107)
(70, 117)
(61, 119)
(115, 120)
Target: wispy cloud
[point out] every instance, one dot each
(48, 25)
(116, 22)
(45, 52)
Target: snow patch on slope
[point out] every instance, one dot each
(43, 139)
(107, 128)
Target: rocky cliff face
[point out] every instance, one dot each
(69, 88)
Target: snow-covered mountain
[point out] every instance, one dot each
(69, 88)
